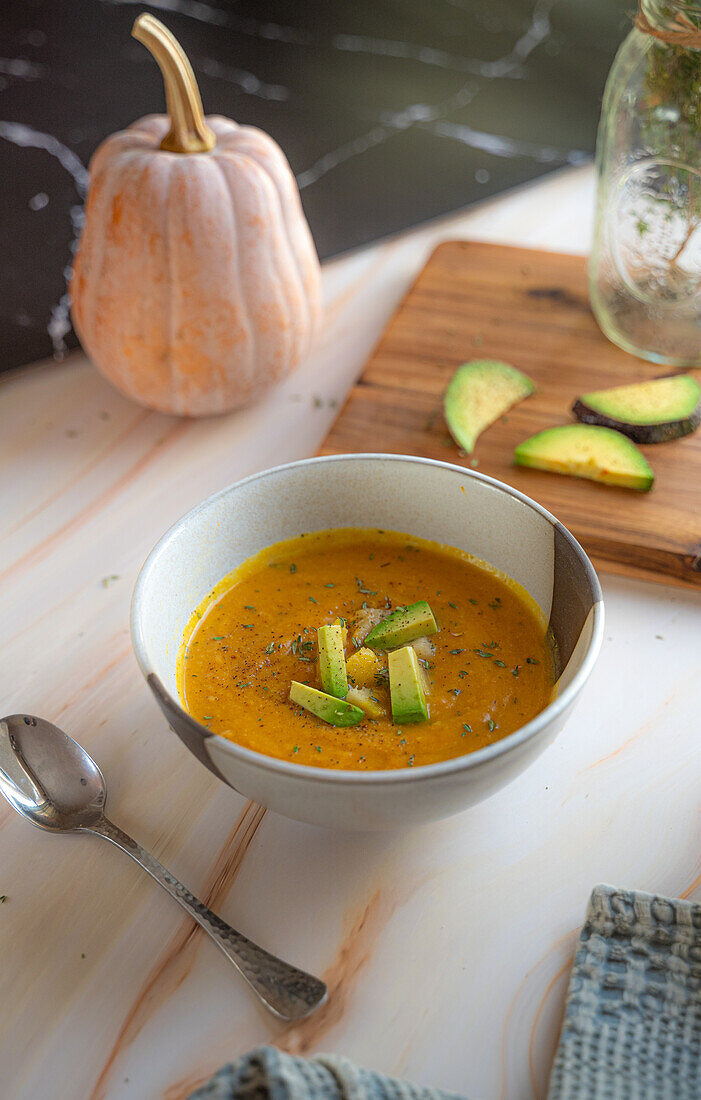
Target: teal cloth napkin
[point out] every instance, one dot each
(632, 1027)
(268, 1074)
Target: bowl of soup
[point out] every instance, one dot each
(367, 641)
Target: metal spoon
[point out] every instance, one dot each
(52, 781)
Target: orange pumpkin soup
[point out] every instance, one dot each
(484, 670)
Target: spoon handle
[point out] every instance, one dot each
(287, 991)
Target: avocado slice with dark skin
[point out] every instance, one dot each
(478, 394)
(402, 627)
(337, 712)
(587, 451)
(406, 687)
(656, 411)
(332, 661)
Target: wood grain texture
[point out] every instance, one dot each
(477, 300)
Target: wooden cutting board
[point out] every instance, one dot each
(530, 308)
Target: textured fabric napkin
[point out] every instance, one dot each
(632, 1027)
(268, 1074)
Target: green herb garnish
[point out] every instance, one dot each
(362, 588)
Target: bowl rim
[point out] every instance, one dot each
(468, 761)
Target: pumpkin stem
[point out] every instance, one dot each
(189, 133)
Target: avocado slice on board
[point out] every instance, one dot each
(647, 412)
(337, 712)
(478, 394)
(332, 661)
(588, 451)
(406, 687)
(402, 627)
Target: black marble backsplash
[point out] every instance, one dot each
(390, 112)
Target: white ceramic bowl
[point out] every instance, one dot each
(433, 500)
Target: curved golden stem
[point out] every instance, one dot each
(189, 133)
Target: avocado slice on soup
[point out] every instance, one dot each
(403, 626)
(332, 661)
(337, 712)
(406, 687)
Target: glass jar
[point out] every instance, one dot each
(645, 268)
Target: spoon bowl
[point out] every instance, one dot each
(48, 778)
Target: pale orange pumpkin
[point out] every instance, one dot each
(196, 285)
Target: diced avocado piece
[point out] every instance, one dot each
(337, 712)
(332, 661)
(401, 627)
(363, 666)
(647, 412)
(406, 687)
(363, 697)
(478, 394)
(588, 451)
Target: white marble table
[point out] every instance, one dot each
(446, 949)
